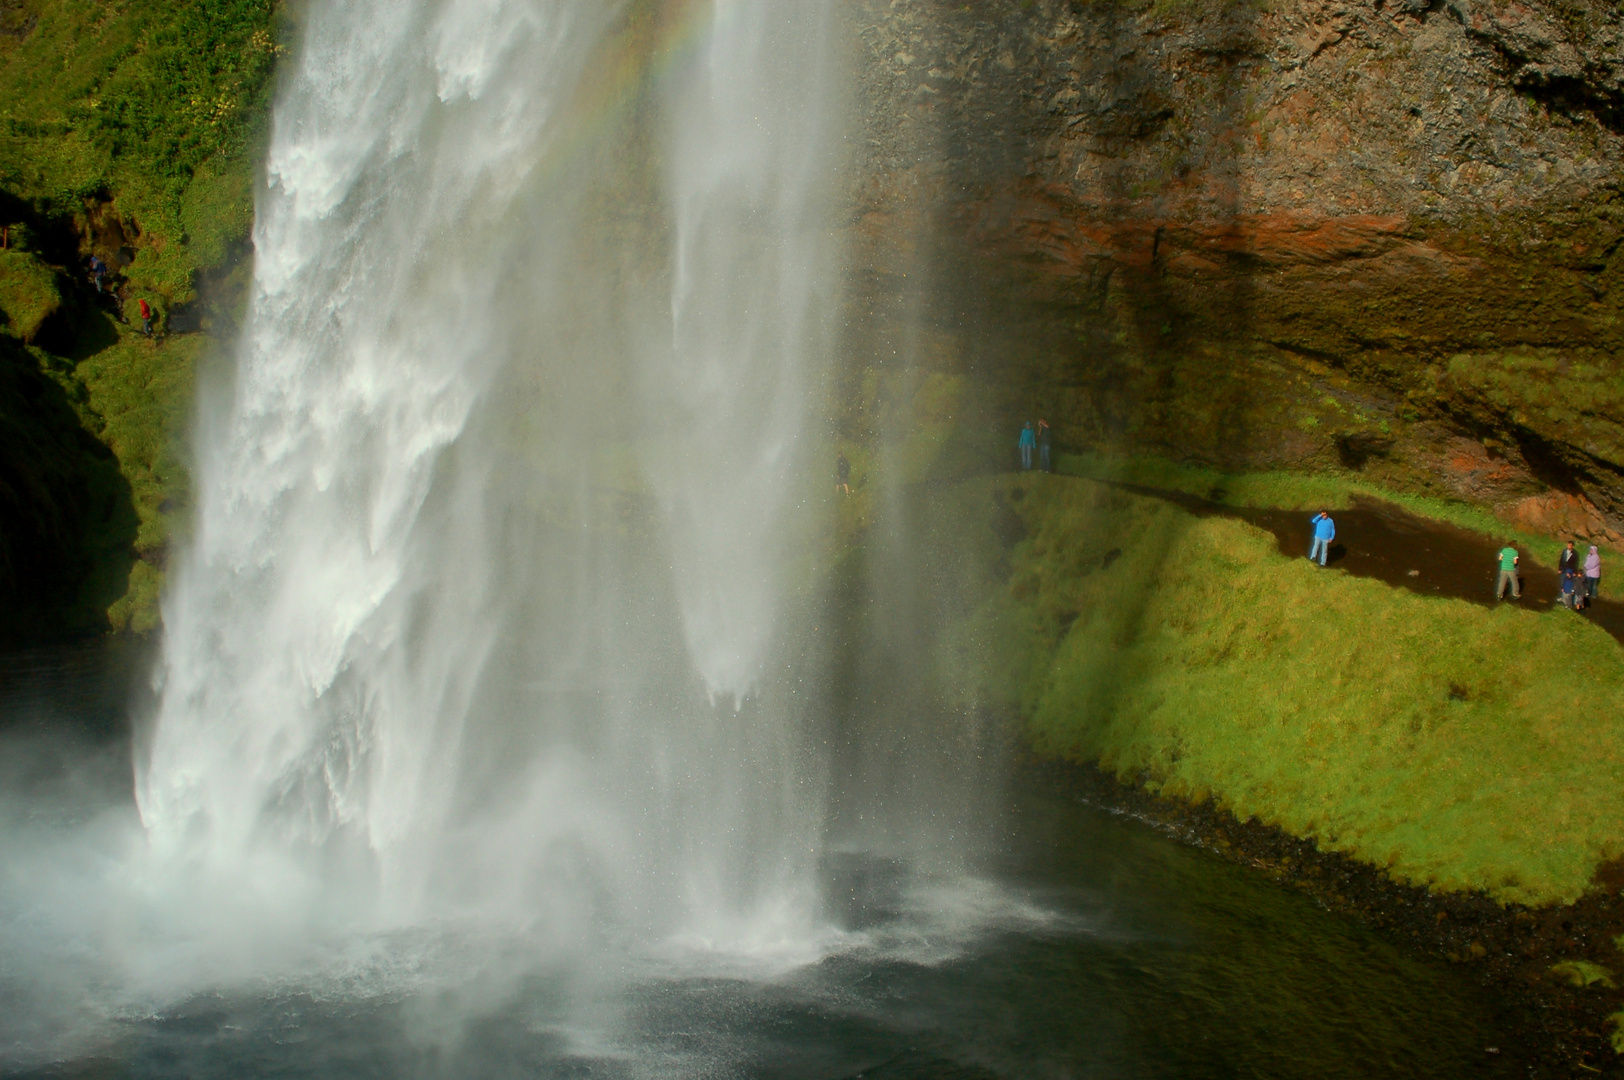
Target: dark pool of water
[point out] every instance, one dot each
(1103, 950)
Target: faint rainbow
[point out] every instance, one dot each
(652, 41)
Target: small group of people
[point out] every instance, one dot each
(1036, 438)
(1579, 580)
(100, 275)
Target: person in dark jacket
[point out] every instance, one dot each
(1045, 437)
(1567, 567)
(1324, 533)
(98, 272)
(1029, 439)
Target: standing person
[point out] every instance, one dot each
(98, 272)
(1029, 439)
(1592, 574)
(1508, 572)
(1324, 533)
(1567, 567)
(146, 318)
(842, 474)
(1045, 436)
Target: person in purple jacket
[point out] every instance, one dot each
(1324, 533)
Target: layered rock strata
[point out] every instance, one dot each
(1369, 236)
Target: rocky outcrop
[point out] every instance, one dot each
(1308, 234)
(1572, 52)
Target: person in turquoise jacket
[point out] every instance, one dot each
(1029, 439)
(1324, 533)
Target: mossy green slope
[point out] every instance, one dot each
(153, 106)
(127, 131)
(1459, 746)
(30, 293)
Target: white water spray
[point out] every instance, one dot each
(488, 451)
(491, 663)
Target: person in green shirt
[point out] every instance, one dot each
(1508, 573)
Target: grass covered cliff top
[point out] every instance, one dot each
(130, 132)
(153, 108)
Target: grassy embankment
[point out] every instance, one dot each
(128, 131)
(1456, 745)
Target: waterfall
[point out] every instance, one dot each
(487, 610)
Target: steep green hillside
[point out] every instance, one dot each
(1456, 745)
(131, 124)
(127, 132)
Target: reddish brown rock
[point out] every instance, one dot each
(1251, 235)
(1563, 514)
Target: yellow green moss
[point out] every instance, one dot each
(28, 293)
(1456, 745)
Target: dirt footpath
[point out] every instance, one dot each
(1383, 541)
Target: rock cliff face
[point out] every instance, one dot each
(1373, 235)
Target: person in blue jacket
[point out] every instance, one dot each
(1324, 533)
(1029, 439)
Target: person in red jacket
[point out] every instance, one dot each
(146, 318)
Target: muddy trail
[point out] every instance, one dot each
(1380, 540)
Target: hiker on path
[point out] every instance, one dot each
(1568, 567)
(1045, 437)
(1324, 533)
(1592, 574)
(1508, 572)
(146, 318)
(842, 474)
(1028, 440)
(1569, 562)
(98, 272)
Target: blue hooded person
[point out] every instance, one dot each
(1029, 439)
(1324, 533)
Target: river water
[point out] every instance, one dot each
(1085, 945)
